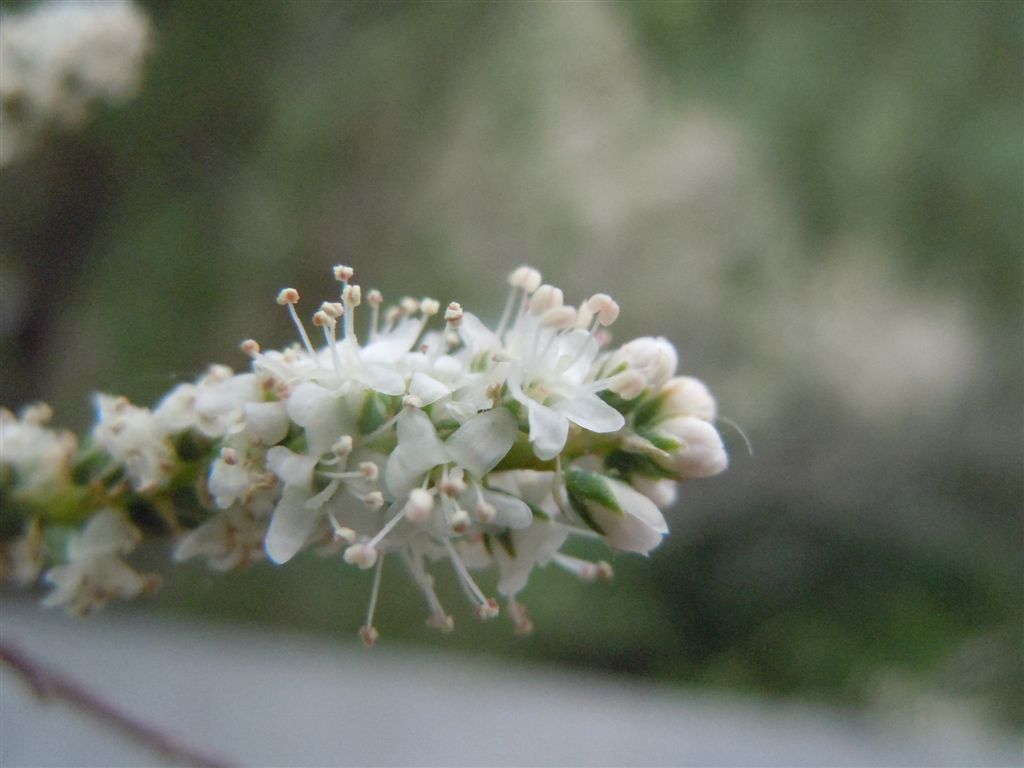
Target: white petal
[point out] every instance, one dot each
(291, 526)
(267, 421)
(548, 430)
(321, 412)
(477, 336)
(512, 512)
(419, 449)
(639, 527)
(535, 545)
(591, 412)
(482, 442)
(427, 388)
(108, 532)
(385, 379)
(295, 469)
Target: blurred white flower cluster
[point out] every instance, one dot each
(462, 444)
(57, 58)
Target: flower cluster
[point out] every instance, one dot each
(59, 57)
(425, 437)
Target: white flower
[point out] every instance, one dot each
(230, 538)
(58, 57)
(41, 457)
(133, 437)
(94, 573)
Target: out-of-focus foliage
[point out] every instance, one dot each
(820, 204)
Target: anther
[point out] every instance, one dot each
(374, 500)
(361, 555)
(229, 456)
(288, 296)
(369, 636)
(322, 319)
(605, 307)
(369, 470)
(343, 274)
(559, 318)
(250, 347)
(332, 309)
(412, 401)
(420, 506)
(544, 298)
(343, 447)
(353, 295)
(375, 298)
(344, 534)
(488, 609)
(460, 521)
(453, 314)
(452, 485)
(485, 512)
(409, 305)
(605, 572)
(526, 278)
(429, 307)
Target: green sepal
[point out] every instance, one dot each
(662, 442)
(628, 464)
(373, 413)
(620, 404)
(586, 488)
(505, 539)
(648, 411)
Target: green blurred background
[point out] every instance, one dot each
(820, 204)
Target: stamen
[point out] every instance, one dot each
(517, 611)
(526, 278)
(368, 632)
(330, 329)
(352, 297)
(343, 274)
(289, 297)
(250, 347)
(341, 533)
(439, 619)
(487, 608)
(375, 299)
(584, 570)
(388, 526)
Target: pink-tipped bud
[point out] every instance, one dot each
(628, 384)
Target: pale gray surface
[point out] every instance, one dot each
(260, 698)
